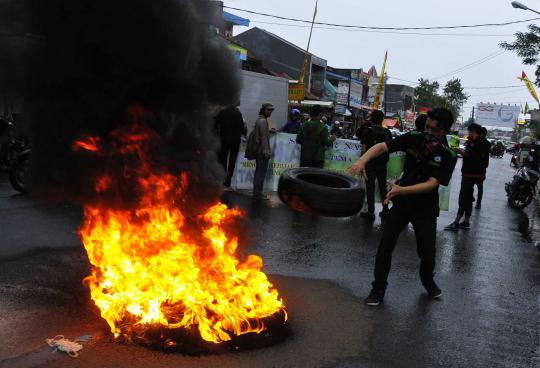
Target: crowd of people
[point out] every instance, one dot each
(429, 162)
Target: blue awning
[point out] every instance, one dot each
(235, 19)
(337, 76)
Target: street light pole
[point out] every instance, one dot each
(518, 5)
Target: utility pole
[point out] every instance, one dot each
(473, 114)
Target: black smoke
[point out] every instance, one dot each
(79, 65)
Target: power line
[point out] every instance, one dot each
(494, 87)
(386, 32)
(471, 65)
(381, 28)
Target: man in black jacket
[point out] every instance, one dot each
(428, 163)
(376, 168)
(473, 171)
(230, 126)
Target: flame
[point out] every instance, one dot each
(152, 267)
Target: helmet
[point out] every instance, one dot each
(295, 112)
(527, 140)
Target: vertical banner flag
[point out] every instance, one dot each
(529, 85)
(304, 66)
(377, 101)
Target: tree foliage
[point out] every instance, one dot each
(527, 47)
(453, 95)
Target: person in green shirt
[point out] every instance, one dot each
(314, 138)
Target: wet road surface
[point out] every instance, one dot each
(489, 315)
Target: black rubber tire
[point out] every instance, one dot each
(320, 192)
(18, 173)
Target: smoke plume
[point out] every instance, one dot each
(82, 66)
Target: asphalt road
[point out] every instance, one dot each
(489, 315)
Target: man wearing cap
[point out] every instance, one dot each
(262, 132)
(294, 123)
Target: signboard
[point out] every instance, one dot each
(296, 91)
(497, 115)
(239, 52)
(342, 95)
(355, 98)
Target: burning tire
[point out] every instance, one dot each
(321, 193)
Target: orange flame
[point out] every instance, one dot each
(90, 144)
(151, 269)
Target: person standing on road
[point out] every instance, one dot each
(473, 171)
(376, 168)
(480, 183)
(262, 132)
(294, 123)
(420, 123)
(428, 163)
(314, 139)
(231, 128)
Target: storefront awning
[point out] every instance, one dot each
(235, 19)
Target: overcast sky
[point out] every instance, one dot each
(410, 56)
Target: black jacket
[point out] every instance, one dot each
(230, 125)
(475, 159)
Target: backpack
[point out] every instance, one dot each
(311, 144)
(252, 145)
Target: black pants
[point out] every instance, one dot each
(425, 230)
(228, 152)
(311, 163)
(466, 195)
(375, 172)
(480, 185)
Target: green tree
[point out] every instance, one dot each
(455, 96)
(527, 47)
(426, 94)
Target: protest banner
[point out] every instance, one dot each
(286, 155)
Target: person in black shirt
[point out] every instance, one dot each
(428, 163)
(473, 171)
(376, 168)
(230, 126)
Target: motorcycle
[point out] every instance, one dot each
(514, 162)
(522, 189)
(20, 168)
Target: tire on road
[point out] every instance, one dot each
(321, 193)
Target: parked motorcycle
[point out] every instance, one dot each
(20, 168)
(522, 189)
(514, 162)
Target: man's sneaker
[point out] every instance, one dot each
(375, 297)
(367, 216)
(433, 290)
(465, 225)
(478, 205)
(454, 226)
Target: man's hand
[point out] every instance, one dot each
(266, 155)
(359, 168)
(395, 191)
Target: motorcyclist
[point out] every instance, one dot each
(6, 138)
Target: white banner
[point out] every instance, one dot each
(497, 115)
(286, 155)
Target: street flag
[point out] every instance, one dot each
(529, 85)
(526, 111)
(304, 65)
(377, 101)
